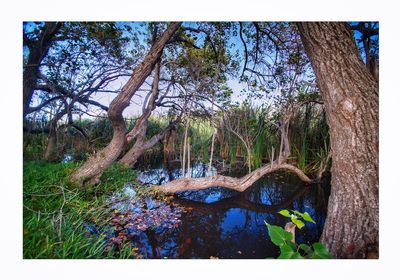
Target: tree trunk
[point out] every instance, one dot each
(91, 171)
(140, 128)
(141, 145)
(212, 150)
(350, 95)
(237, 184)
(51, 148)
(188, 175)
(185, 137)
(169, 145)
(37, 51)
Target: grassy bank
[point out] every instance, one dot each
(55, 212)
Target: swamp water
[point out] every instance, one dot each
(222, 223)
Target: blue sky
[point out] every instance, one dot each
(136, 104)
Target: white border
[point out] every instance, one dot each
(12, 15)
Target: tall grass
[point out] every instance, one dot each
(56, 214)
(308, 133)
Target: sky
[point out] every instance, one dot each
(135, 107)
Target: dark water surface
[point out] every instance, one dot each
(227, 224)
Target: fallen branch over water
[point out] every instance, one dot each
(237, 184)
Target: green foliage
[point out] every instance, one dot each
(278, 235)
(295, 217)
(56, 213)
(287, 252)
(283, 239)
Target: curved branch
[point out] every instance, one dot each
(237, 184)
(245, 48)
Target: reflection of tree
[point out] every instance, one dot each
(236, 221)
(166, 173)
(240, 201)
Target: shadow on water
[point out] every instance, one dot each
(227, 224)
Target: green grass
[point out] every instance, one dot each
(55, 212)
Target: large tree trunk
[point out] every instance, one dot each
(91, 171)
(37, 51)
(350, 95)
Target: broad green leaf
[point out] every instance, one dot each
(297, 222)
(297, 212)
(320, 252)
(288, 253)
(307, 249)
(285, 213)
(278, 235)
(307, 217)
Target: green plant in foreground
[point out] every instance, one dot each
(56, 214)
(284, 239)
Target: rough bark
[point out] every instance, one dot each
(37, 51)
(141, 145)
(169, 145)
(91, 171)
(237, 184)
(140, 128)
(350, 95)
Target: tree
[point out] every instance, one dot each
(350, 95)
(369, 44)
(81, 59)
(91, 171)
(38, 43)
(57, 49)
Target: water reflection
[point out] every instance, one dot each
(227, 224)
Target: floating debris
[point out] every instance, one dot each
(133, 214)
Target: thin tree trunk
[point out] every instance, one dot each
(248, 150)
(188, 159)
(185, 136)
(50, 151)
(212, 138)
(212, 151)
(215, 80)
(350, 95)
(169, 145)
(91, 171)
